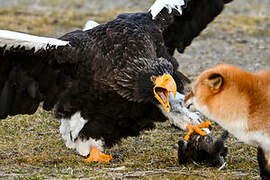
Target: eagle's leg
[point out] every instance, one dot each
(97, 156)
(197, 129)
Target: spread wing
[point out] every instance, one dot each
(32, 70)
(196, 15)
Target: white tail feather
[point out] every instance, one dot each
(11, 38)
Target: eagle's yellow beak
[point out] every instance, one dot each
(163, 86)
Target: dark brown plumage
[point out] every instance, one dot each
(105, 73)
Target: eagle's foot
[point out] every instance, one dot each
(97, 156)
(197, 129)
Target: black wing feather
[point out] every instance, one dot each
(28, 78)
(197, 14)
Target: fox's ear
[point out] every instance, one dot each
(215, 82)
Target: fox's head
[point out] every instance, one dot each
(209, 84)
(219, 93)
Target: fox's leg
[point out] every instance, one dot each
(264, 163)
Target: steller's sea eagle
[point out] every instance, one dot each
(104, 83)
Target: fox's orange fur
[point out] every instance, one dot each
(238, 100)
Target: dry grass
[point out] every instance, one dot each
(31, 146)
(246, 24)
(51, 23)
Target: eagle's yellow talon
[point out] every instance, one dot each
(198, 130)
(97, 156)
(205, 124)
(191, 128)
(186, 138)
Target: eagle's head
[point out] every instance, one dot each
(148, 80)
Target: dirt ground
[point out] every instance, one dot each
(31, 147)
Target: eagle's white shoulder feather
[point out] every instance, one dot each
(90, 25)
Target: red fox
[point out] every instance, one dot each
(239, 101)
